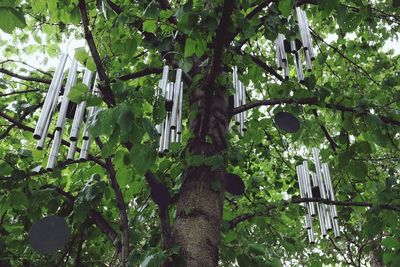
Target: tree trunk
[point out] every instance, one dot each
(197, 227)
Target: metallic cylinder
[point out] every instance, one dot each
(330, 194)
(299, 67)
(71, 80)
(167, 132)
(170, 91)
(293, 46)
(317, 164)
(71, 151)
(311, 236)
(83, 156)
(308, 60)
(80, 110)
(336, 229)
(89, 119)
(244, 101)
(180, 108)
(177, 91)
(307, 182)
(300, 181)
(278, 56)
(51, 97)
(302, 27)
(308, 35)
(307, 221)
(281, 39)
(161, 141)
(55, 148)
(173, 136)
(321, 216)
(40, 143)
(286, 70)
(164, 80)
(237, 94)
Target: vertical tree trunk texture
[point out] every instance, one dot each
(197, 226)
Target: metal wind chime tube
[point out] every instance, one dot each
(40, 143)
(71, 80)
(328, 180)
(299, 67)
(55, 148)
(180, 107)
(176, 92)
(307, 183)
(71, 151)
(90, 111)
(80, 110)
(236, 95)
(243, 114)
(302, 193)
(51, 97)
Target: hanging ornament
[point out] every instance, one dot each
(317, 185)
(234, 184)
(170, 130)
(239, 100)
(297, 47)
(287, 122)
(49, 234)
(50, 107)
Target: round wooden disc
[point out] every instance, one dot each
(49, 234)
(287, 122)
(234, 184)
(160, 195)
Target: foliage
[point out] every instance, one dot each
(354, 119)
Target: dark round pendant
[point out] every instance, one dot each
(287, 122)
(160, 195)
(49, 234)
(234, 184)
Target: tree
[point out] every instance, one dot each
(348, 106)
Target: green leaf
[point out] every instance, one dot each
(358, 169)
(190, 47)
(150, 26)
(391, 242)
(81, 55)
(19, 200)
(10, 19)
(77, 92)
(285, 7)
(103, 123)
(142, 157)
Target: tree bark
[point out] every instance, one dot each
(197, 226)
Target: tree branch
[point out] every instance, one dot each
(20, 92)
(123, 223)
(248, 216)
(308, 101)
(25, 78)
(105, 88)
(145, 72)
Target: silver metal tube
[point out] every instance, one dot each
(167, 132)
(308, 60)
(321, 216)
(281, 39)
(164, 80)
(302, 27)
(236, 95)
(170, 91)
(173, 136)
(328, 218)
(307, 221)
(300, 181)
(80, 110)
(307, 182)
(51, 96)
(161, 141)
(286, 70)
(84, 150)
(244, 101)
(71, 80)
(330, 194)
(89, 119)
(336, 229)
(177, 90)
(317, 164)
(299, 67)
(293, 46)
(180, 108)
(158, 129)
(311, 236)
(71, 151)
(40, 143)
(308, 35)
(278, 56)
(314, 183)
(55, 148)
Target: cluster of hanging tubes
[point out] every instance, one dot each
(239, 100)
(170, 130)
(49, 108)
(318, 185)
(284, 47)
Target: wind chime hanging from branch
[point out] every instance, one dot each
(283, 47)
(318, 185)
(239, 100)
(170, 130)
(49, 108)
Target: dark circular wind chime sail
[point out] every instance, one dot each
(49, 234)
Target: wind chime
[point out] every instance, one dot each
(239, 100)
(318, 185)
(49, 108)
(170, 130)
(284, 47)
